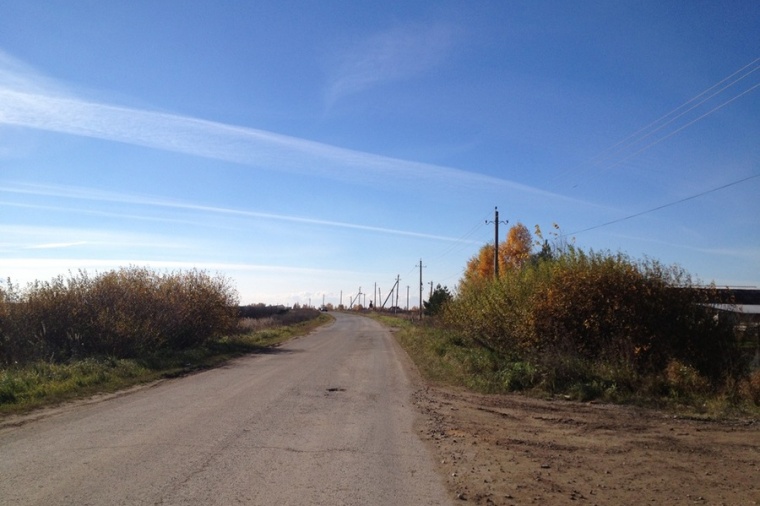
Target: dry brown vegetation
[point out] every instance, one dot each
(123, 313)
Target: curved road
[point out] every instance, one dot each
(323, 420)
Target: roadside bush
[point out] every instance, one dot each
(750, 388)
(122, 313)
(278, 317)
(294, 316)
(519, 376)
(589, 318)
(685, 380)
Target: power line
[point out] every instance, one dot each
(458, 245)
(692, 197)
(671, 134)
(604, 160)
(462, 242)
(640, 134)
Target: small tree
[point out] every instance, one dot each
(516, 249)
(514, 252)
(479, 267)
(440, 297)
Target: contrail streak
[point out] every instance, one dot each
(247, 146)
(96, 195)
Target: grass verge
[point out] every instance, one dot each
(42, 383)
(442, 358)
(445, 359)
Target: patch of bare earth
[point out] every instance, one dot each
(511, 450)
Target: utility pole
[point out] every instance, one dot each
(398, 278)
(421, 287)
(374, 294)
(496, 241)
(341, 298)
(407, 297)
(431, 290)
(390, 294)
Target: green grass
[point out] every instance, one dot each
(445, 359)
(42, 383)
(442, 358)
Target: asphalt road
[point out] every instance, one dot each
(323, 420)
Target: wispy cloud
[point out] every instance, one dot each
(30, 102)
(247, 146)
(63, 264)
(57, 245)
(400, 53)
(26, 237)
(742, 253)
(90, 194)
(97, 212)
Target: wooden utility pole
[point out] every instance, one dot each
(496, 241)
(422, 285)
(398, 288)
(390, 294)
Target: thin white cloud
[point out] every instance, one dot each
(29, 102)
(247, 146)
(100, 195)
(26, 237)
(96, 212)
(63, 264)
(396, 54)
(57, 245)
(740, 253)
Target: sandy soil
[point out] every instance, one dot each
(511, 450)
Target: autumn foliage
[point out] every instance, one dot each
(513, 253)
(572, 317)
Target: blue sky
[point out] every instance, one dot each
(304, 149)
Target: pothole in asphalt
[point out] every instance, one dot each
(336, 389)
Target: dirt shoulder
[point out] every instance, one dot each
(511, 450)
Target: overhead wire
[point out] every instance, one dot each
(463, 241)
(669, 204)
(458, 245)
(607, 155)
(697, 100)
(638, 137)
(461, 244)
(686, 125)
